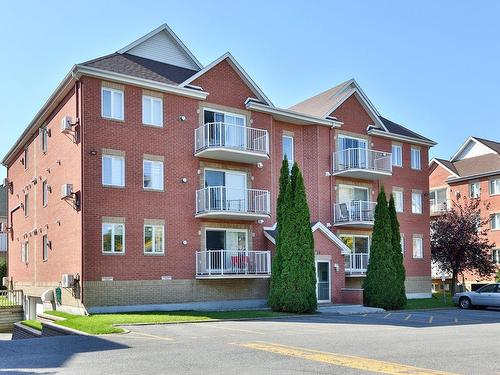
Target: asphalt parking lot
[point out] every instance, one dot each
(415, 342)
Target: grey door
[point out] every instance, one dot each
(323, 281)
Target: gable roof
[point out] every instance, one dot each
(141, 67)
(445, 164)
(271, 232)
(241, 72)
(493, 146)
(163, 45)
(325, 103)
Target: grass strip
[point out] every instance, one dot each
(35, 324)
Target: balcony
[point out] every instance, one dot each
(438, 207)
(356, 264)
(224, 141)
(362, 163)
(219, 264)
(354, 214)
(221, 202)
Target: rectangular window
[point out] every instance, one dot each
(113, 170)
(495, 221)
(45, 248)
(26, 158)
(474, 190)
(45, 193)
(402, 243)
(416, 202)
(415, 158)
(152, 111)
(288, 149)
(44, 139)
(496, 256)
(3, 242)
(24, 252)
(397, 155)
(112, 103)
(154, 239)
(26, 204)
(152, 175)
(113, 238)
(398, 199)
(418, 250)
(495, 186)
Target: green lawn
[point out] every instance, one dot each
(5, 302)
(99, 324)
(435, 302)
(33, 324)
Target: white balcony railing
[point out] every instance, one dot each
(362, 158)
(354, 212)
(229, 263)
(222, 198)
(439, 206)
(224, 135)
(356, 263)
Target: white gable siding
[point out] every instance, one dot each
(162, 47)
(474, 149)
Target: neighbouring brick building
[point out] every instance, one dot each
(152, 180)
(474, 171)
(3, 221)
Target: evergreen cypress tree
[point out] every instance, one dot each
(283, 203)
(293, 280)
(380, 274)
(397, 259)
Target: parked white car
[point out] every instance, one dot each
(487, 296)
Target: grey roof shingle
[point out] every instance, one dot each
(141, 67)
(448, 164)
(392, 127)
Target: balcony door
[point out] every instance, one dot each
(353, 152)
(227, 190)
(353, 203)
(357, 261)
(225, 129)
(227, 249)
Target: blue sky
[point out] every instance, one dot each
(430, 65)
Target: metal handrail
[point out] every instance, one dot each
(354, 211)
(362, 158)
(233, 262)
(222, 198)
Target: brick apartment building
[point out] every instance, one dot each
(474, 171)
(3, 223)
(152, 180)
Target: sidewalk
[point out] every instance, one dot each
(348, 309)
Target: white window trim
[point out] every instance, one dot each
(290, 162)
(45, 248)
(419, 159)
(25, 252)
(400, 146)
(44, 139)
(154, 226)
(162, 175)
(113, 115)
(402, 235)
(122, 172)
(224, 113)
(495, 216)
(496, 259)
(478, 189)
(45, 193)
(356, 236)
(225, 171)
(399, 190)
(152, 99)
(113, 252)
(226, 230)
(490, 185)
(419, 237)
(421, 202)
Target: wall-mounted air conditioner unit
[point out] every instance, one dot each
(66, 124)
(67, 281)
(66, 190)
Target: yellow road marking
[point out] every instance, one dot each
(152, 336)
(232, 329)
(359, 363)
(408, 317)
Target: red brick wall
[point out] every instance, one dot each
(59, 220)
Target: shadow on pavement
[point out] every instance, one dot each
(52, 353)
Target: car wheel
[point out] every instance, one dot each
(465, 303)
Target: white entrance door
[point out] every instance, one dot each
(323, 281)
